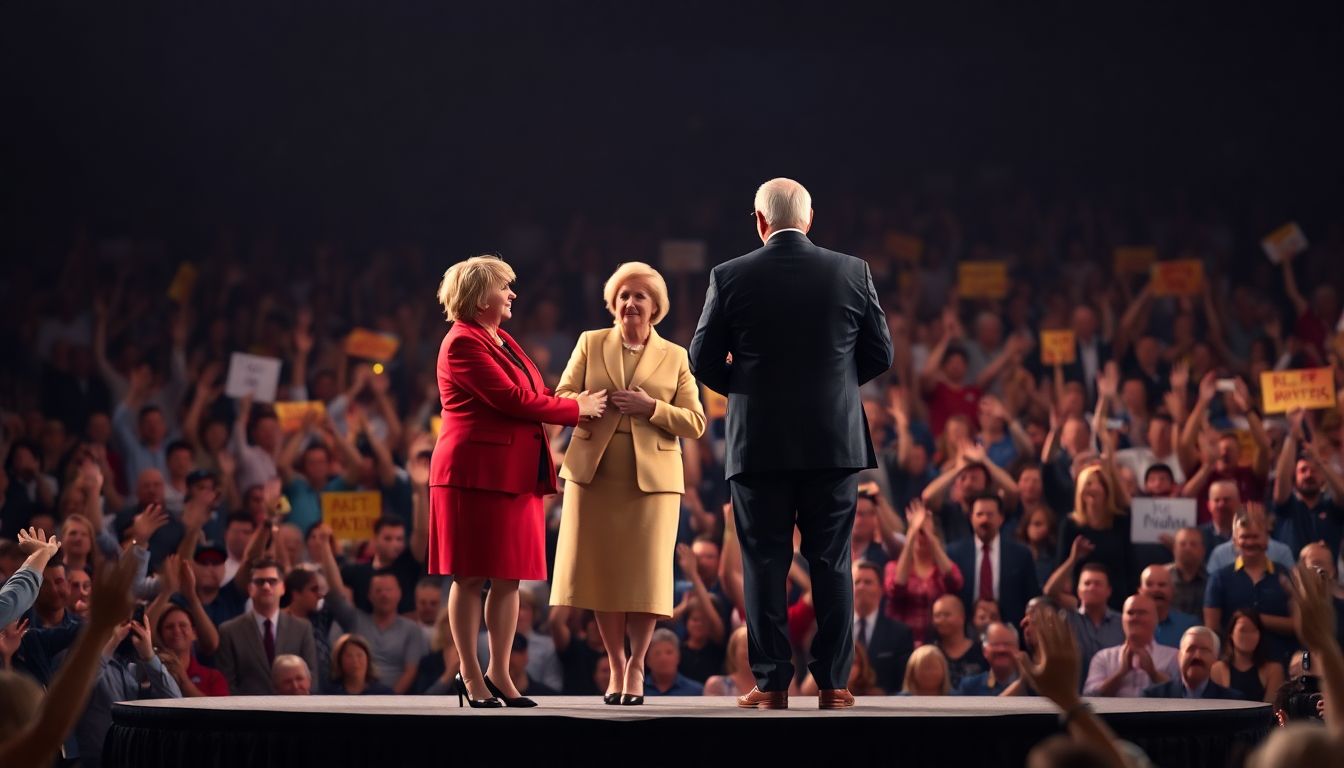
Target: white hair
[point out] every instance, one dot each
(785, 203)
(1202, 630)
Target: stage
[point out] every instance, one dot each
(332, 732)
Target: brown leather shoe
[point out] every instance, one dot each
(835, 698)
(758, 699)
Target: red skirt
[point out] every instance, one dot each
(476, 533)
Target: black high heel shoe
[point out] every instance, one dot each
(612, 698)
(631, 700)
(519, 701)
(461, 686)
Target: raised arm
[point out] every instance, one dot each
(1300, 305)
(1283, 468)
(473, 367)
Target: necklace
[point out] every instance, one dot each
(632, 348)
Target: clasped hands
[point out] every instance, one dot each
(630, 402)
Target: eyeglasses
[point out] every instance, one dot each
(265, 581)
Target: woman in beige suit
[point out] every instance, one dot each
(618, 527)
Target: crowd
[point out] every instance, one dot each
(1000, 510)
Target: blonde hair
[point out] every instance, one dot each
(637, 270)
(20, 701)
(1108, 509)
(466, 284)
(738, 638)
(785, 203)
(921, 654)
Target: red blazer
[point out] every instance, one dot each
(492, 437)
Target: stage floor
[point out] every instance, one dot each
(332, 731)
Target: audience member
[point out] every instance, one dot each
(1245, 665)
(738, 677)
(249, 643)
(1188, 575)
(1095, 517)
(351, 669)
(1155, 582)
(664, 660)
(390, 555)
(395, 643)
(434, 675)
(176, 637)
(921, 575)
(1001, 644)
(518, 663)
(23, 586)
(887, 642)
(1307, 493)
(1251, 582)
(1127, 669)
(964, 655)
(1198, 649)
(290, 676)
(1095, 624)
(926, 674)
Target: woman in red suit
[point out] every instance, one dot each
(490, 468)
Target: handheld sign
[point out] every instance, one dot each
(1308, 388)
(372, 345)
(1184, 277)
(904, 247)
(982, 279)
(184, 282)
(680, 257)
(291, 413)
(1150, 518)
(252, 375)
(1285, 242)
(351, 514)
(1134, 259)
(1058, 348)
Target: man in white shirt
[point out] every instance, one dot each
(1139, 662)
(1161, 449)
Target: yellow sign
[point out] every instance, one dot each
(184, 282)
(1058, 348)
(904, 247)
(291, 413)
(1134, 259)
(351, 514)
(982, 279)
(716, 405)
(1308, 388)
(371, 345)
(1285, 242)
(1184, 277)
(1249, 450)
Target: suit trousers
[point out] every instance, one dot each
(766, 506)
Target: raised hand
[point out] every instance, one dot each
(35, 540)
(686, 559)
(1081, 548)
(1180, 376)
(1108, 381)
(110, 600)
(151, 519)
(11, 637)
(1314, 617)
(917, 515)
(1208, 387)
(142, 639)
(1054, 675)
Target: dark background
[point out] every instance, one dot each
(419, 121)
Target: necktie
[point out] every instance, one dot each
(863, 630)
(268, 640)
(986, 575)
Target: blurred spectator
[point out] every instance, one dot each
(1188, 575)
(249, 643)
(1303, 510)
(289, 675)
(1155, 582)
(1276, 551)
(578, 651)
(1001, 644)
(390, 555)
(1251, 582)
(664, 660)
(22, 587)
(926, 674)
(737, 678)
(1245, 665)
(1095, 518)
(921, 575)
(1003, 571)
(434, 675)
(1223, 503)
(986, 613)
(428, 601)
(887, 642)
(176, 637)
(1095, 625)
(1037, 532)
(395, 643)
(701, 655)
(1127, 669)
(518, 663)
(1198, 649)
(351, 669)
(238, 530)
(963, 654)
(862, 677)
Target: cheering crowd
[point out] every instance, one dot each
(163, 539)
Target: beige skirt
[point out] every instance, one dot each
(617, 543)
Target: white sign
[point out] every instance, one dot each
(1285, 242)
(1151, 518)
(253, 375)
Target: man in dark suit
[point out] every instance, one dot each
(249, 643)
(1199, 649)
(888, 642)
(803, 330)
(994, 567)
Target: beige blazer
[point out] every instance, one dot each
(664, 373)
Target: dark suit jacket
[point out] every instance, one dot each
(242, 658)
(1175, 689)
(1017, 576)
(889, 648)
(805, 330)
